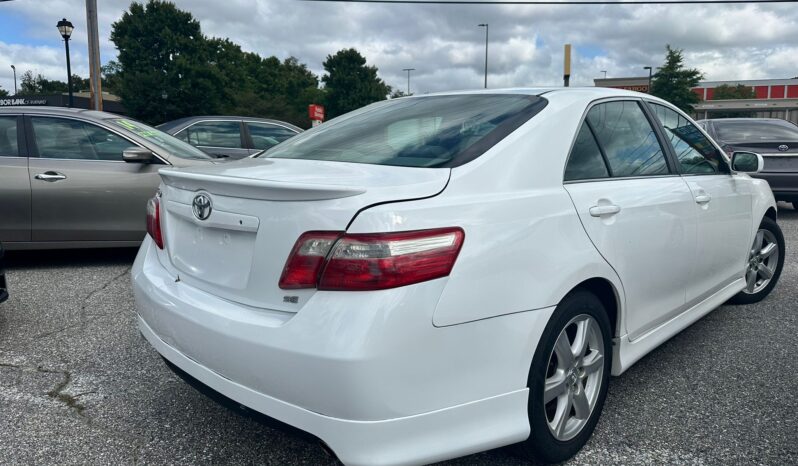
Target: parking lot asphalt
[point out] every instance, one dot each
(78, 384)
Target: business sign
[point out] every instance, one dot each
(316, 112)
(21, 101)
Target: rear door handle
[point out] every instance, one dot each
(50, 176)
(601, 210)
(703, 198)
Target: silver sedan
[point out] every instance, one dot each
(73, 178)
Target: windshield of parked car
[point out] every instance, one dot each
(751, 131)
(167, 142)
(430, 131)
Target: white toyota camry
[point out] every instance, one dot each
(433, 276)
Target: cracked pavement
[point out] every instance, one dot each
(78, 385)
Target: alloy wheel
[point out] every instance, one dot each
(573, 378)
(762, 262)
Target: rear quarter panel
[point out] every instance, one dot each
(524, 245)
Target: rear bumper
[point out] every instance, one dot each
(783, 185)
(378, 383)
(419, 439)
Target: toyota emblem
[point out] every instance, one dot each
(202, 206)
(784, 147)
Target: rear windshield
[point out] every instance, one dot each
(752, 131)
(436, 131)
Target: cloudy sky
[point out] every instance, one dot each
(443, 42)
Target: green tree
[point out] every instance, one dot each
(727, 92)
(110, 76)
(399, 93)
(3, 92)
(673, 82)
(164, 62)
(38, 84)
(350, 83)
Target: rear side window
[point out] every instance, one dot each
(226, 134)
(628, 140)
(436, 131)
(695, 152)
(265, 135)
(8, 137)
(585, 161)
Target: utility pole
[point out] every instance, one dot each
(408, 78)
(95, 76)
(485, 25)
(566, 75)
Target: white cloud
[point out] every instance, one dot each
(444, 44)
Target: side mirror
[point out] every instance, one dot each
(137, 155)
(748, 162)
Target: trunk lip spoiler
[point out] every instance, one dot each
(250, 188)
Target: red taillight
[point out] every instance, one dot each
(360, 262)
(154, 221)
(306, 259)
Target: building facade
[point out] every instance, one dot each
(773, 98)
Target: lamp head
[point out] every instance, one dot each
(65, 28)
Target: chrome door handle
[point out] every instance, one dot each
(601, 210)
(50, 176)
(703, 198)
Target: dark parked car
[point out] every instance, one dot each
(230, 136)
(3, 286)
(776, 140)
(73, 178)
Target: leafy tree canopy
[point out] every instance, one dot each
(350, 83)
(3, 92)
(727, 92)
(673, 82)
(30, 84)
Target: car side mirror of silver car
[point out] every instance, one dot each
(748, 162)
(137, 155)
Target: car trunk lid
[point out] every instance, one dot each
(257, 209)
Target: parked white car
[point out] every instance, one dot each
(434, 276)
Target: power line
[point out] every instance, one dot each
(555, 2)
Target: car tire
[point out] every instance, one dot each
(583, 377)
(771, 234)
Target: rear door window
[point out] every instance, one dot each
(8, 137)
(586, 161)
(627, 139)
(436, 131)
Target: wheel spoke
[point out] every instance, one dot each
(555, 386)
(592, 362)
(767, 251)
(580, 339)
(750, 280)
(758, 240)
(581, 406)
(562, 348)
(563, 413)
(764, 271)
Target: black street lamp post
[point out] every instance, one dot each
(485, 25)
(15, 78)
(649, 77)
(65, 28)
